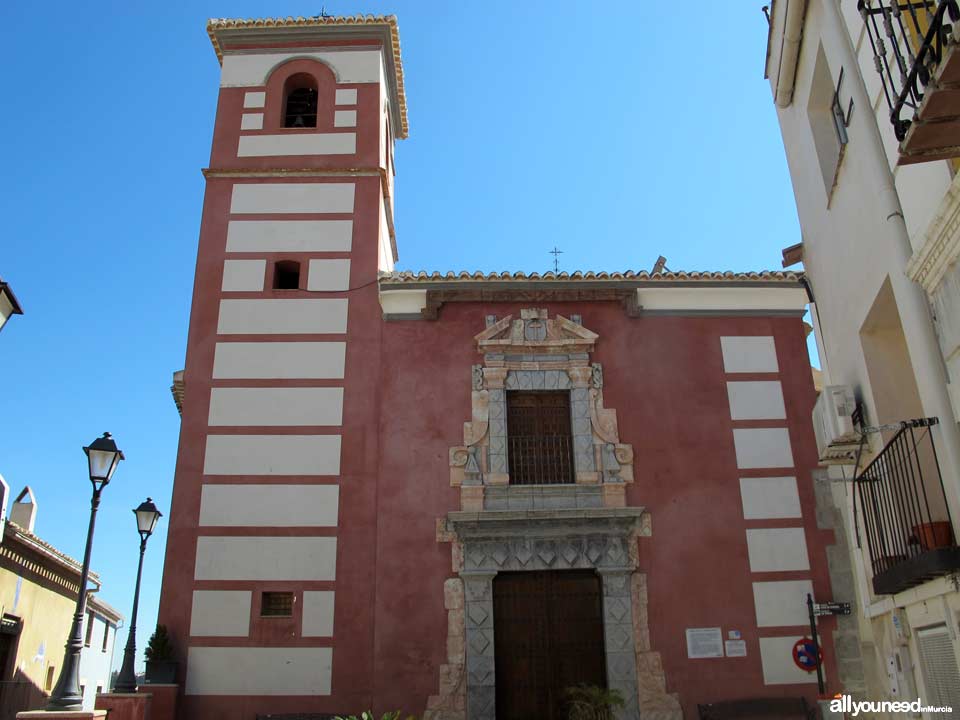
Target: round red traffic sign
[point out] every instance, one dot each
(805, 656)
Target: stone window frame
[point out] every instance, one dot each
(536, 352)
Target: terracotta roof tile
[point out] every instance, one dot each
(422, 276)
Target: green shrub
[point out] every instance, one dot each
(589, 702)
(160, 648)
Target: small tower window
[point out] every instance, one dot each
(286, 275)
(300, 101)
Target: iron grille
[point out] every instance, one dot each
(276, 604)
(539, 447)
(905, 516)
(908, 40)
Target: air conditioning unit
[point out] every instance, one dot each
(837, 440)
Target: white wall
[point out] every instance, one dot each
(95, 663)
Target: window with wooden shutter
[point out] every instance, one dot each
(539, 442)
(938, 663)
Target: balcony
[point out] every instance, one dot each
(915, 52)
(904, 511)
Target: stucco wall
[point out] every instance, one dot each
(46, 609)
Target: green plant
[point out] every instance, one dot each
(160, 647)
(589, 702)
(366, 715)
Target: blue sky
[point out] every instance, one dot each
(615, 134)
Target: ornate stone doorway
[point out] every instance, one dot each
(599, 541)
(548, 636)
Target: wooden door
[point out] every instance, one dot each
(548, 636)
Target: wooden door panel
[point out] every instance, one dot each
(548, 636)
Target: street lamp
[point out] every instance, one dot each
(8, 304)
(147, 518)
(103, 456)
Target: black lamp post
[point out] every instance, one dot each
(103, 456)
(147, 518)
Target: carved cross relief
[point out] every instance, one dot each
(537, 352)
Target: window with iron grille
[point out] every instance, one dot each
(276, 604)
(539, 440)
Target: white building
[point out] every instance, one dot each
(100, 627)
(880, 220)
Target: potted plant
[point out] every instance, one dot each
(589, 702)
(161, 666)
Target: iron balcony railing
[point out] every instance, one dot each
(908, 41)
(906, 520)
(540, 459)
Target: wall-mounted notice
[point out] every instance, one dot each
(736, 648)
(704, 643)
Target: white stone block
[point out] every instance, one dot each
(220, 613)
(317, 613)
(281, 317)
(269, 505)
(770, 498)
(242, 671)
(272, 455)
(762, 448)
(275, 406)
(279, 360)
(782, 604)
(282, 197)
(266, 558)
(346, 97)
(299, 144)
(756, 400)
(254, 99)
(332, 275)
(776, 658)
(345, 118)
(749, 354)
(251, 121)
(777, 549)
(289, 235)
(243, 275)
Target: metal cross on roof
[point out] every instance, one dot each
(556, 259)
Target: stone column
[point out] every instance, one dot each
(618, 637)
(494, 378)
(580, 424)
(478, 617)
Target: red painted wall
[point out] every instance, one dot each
(406, 397)
(665, 377)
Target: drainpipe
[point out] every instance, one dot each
(790, 51)
(922, 346)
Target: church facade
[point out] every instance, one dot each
(462, 494)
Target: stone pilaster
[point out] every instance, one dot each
(478, 620)
(618, 639)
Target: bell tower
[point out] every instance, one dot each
(267, 588)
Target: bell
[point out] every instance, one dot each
(298, 121)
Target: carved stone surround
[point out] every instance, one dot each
(504, 528)
(603, 540)
(535, 352)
